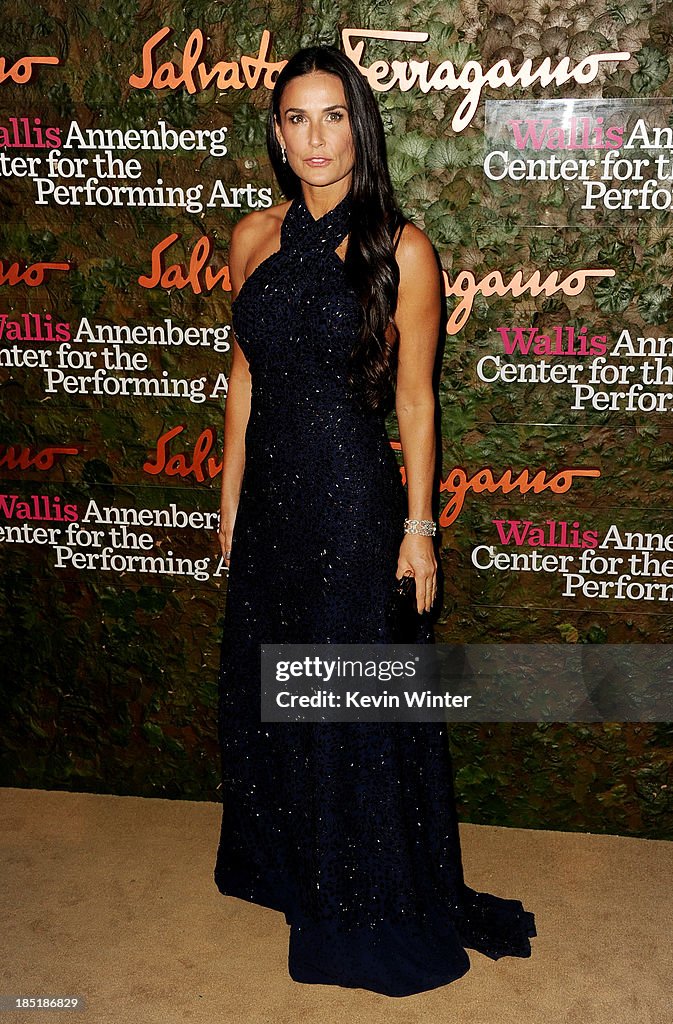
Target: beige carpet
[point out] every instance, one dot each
(111, 899)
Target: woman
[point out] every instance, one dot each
(347, 828)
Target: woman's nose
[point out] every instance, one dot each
(316, 135)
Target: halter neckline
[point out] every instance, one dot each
(300, 231)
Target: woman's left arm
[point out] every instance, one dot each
(417, 317)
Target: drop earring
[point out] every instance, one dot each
(284, 156)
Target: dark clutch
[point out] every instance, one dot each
(403, 611)
(405, 589)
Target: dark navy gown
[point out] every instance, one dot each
(350, 828)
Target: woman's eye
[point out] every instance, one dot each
(333, 114)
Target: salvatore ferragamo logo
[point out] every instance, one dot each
(194, 73)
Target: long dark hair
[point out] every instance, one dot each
(376, 219)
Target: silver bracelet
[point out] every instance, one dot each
(424, 527)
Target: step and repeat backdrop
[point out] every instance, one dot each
(533, 142)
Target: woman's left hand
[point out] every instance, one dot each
(417, 557)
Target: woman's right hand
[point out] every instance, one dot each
(225, 536)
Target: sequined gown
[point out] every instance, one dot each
(349, 829)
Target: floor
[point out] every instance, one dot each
(111, 899)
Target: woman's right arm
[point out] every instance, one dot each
(237, 404)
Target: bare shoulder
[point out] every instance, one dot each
(415, 254)
(258, 223)
(254, 237)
